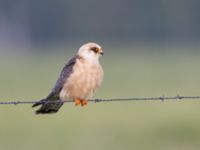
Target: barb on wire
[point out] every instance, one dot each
(161, 98)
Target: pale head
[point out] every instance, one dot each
(90, 51)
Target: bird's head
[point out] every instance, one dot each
(90, 51)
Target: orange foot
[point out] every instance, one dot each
(80, 101)
(77, 102)
(84, 102)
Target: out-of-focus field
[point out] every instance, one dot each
(129, 72)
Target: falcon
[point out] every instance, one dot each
(78, 80)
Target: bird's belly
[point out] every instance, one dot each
(82, 84)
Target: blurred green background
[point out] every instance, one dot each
(151, 49)
(129, 72)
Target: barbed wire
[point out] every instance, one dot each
(161, 98)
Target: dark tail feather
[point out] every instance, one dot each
(48, 106)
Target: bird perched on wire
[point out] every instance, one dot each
(78, 80)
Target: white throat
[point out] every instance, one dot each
(91, 59)
(89, 56)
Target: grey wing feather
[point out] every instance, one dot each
(65, 73)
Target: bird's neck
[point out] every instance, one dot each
(90, 60)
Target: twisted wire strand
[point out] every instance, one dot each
(161, 98)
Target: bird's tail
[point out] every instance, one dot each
(48, 106)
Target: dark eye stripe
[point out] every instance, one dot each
(95, 49)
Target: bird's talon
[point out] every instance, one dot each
(77, 102)
(84, 102)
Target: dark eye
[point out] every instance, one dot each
(95, 49)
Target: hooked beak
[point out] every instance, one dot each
(101, 53)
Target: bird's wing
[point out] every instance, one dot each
(54, 94)
(65, 73)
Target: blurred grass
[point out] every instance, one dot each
(129, 72)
